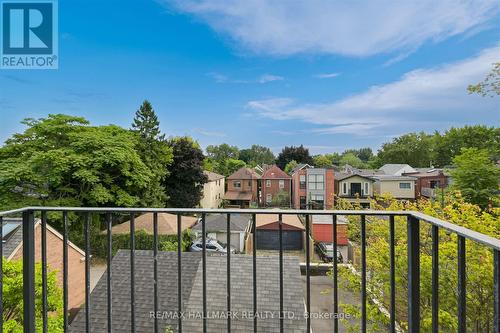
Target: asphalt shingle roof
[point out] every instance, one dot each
(14, 240)
(219, 223)
(241, 295)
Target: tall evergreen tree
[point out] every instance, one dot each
(184, 184)
(154, 151)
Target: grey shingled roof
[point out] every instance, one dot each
(15, 239)
(219, 223)
(241, 296)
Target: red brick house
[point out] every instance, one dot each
(312, 188)
(273, 181)
(243, 188)
(428, 180)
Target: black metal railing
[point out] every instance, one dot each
(413, 270)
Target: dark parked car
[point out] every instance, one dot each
(325, 252)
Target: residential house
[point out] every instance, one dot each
(313, 188)
(396, 169)
(322, 231)
(243, 188)
(213, 190)
(355, 188)
(267, 232)
(12, 245)
(399, 187)
(167, 224)
(191, 292)
(275, 181)
(216, 228)
(428, 180)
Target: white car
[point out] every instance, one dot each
(211, 245)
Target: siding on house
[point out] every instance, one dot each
(213, 190)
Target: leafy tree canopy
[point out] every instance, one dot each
(299, 154)
(414, 149)
(222, 152)
(352, 160)
(290, 166)
(490, 86)
(257, 155)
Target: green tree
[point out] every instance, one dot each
(290, 166)
(281, 199)
(63, 161)
(154, 151)
(233, 165)
(184, 184)
(222, 152)
(257, 155)
(322, 161)
(449, 144)
(364, 154)
(490, 86)
(352, 160)
(12, 285)
(299, 154)
(415, 149)
(475, 176)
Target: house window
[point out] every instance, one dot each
(268, 183)
(282, 183)
(303, 203)
(302, 182)
(316, 182)
(366, 189)
(249, 183)
(237, 184)
(269, 198)
(344, 188)
(434, 184)
(405, 186)
(318, 200)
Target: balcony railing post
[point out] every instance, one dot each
(496, 279)
(29, 271)
(413, 275)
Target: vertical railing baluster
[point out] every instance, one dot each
(155, 269)
(254, 271)
(435, 279)
(228, 271)
(87, 272)
(496, 291)
(308, 275)
(392, 273)
(280, 224)
(179, 271)
(204, 265)
(363, 273)
(335, 276)
(462, 319)
(65, 271)
(132, 272)
(109, 223)
(44, 273)
(29, 271)
(413, 254)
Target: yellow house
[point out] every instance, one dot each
(400, 187)
(354, 188)
(213, 190)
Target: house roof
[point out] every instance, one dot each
(393, 169)
(273, 172)
(212, 176)
(392, 178)
(300, 166)
(342, 175)
(167, 224)
(291, 220)
(238, 222)
(425, 172)
(191, 291)
(327, 219)
(244, 173)
(238, 195)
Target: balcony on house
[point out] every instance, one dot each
(152, 290)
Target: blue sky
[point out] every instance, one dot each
(326, 74)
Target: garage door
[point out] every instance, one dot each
(269, 240)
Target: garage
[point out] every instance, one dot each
(267, 232)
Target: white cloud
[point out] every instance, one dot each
(270, 78)
(209, 133)
(355, 28)
(219, 78)
(421, 99)
(326, 75)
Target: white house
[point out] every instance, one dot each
(213, 190)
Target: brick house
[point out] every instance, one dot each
(12, 244)
(274, 181)
(243, 188)
(312, 188)
(428, 180)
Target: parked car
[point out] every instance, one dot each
(325, 252)
(211, 245)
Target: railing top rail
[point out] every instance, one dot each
(450, 227)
